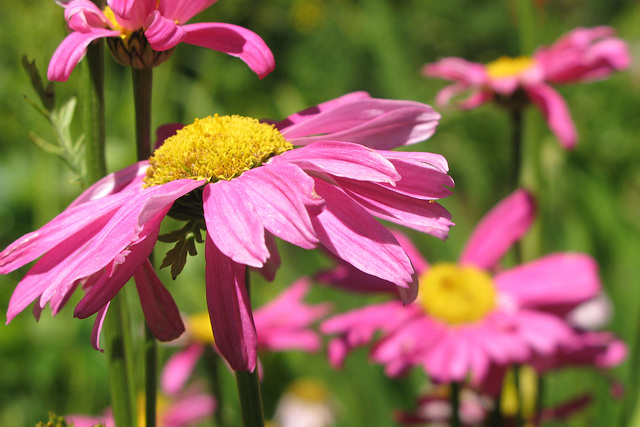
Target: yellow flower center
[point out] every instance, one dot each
(457, 294)
(108, 13)
(509, 67)
(215, 148)
(309, 390)
(199, 327)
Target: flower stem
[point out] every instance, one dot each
(516, 145)
(455, 404)
(93, 114)
(526, 26)
(211, 359)
(151, 376)
(249, 386)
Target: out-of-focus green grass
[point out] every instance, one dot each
(324, 48)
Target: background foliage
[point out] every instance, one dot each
(325, 48)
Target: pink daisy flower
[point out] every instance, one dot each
(283, 324)
(466, 319)
(141, 33)
(245, 184)
(583, 55)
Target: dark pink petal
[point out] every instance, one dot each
(272, 264)
(163, 33)
(375, 123)
(233, 223)
(160, 310)
(312, 112)
(72, 50)
(97, 327)
(190, 410)
(341, 159)
(182, 10)
(179, 367)
(349, 278)
(230, 309)
(84, 15)
(166, 131)
(555, 111)
(562, 278)
(350, 232)
(235, 41)
(498, 230)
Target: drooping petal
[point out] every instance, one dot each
(375, 123)
(551, 280)
(183, 10)
(555, 111)
(498, 230)
(97, 328)
(350, 233)
(235, 41)
(163, 33)
(84, 15)
(233, 223)
(178, 369)
(160, 310)
(72, 50)
(230, 309)
(272, 264)
(127, 179)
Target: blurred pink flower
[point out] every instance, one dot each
(584, 54)
(163, 24)
(283, 324)
(244, 183)
(190, 408)
(464, 320)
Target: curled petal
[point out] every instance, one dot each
(97, 328)
(163, 33)
(84, 15)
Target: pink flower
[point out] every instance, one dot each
(584, 54)
(187, 409)
(283, 324)
(141, 32)
(467, 319)
(244, 183)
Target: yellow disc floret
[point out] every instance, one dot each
(457, 294)
(199, 327)
(509, 67)
(215, 148)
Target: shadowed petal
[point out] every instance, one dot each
(163, 33)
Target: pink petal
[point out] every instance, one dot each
(160, 310)
(163, 33)
(233, 223)
(375, 123)
(457, 70)
(127, 179)
(349, 278)
(72, 50)
(179, 367)
(132, 14)
(191, 410)
(498, 230)
(322, 108)
(272, 264)
(351, 234)
(183, 10)
(562, 278)
(230, 309)
(417, 260)
(235, 41)
(84, 15)
(555, 111)
(97, 327)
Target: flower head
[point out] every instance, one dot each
(142, 33)
(325, 192)
(467, 319)
(585, 54)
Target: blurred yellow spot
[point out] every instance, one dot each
(199, 327)
(309, 390)
(528, 392)
(457, 294)
(108, 13)
(509, 67)
(307, 14)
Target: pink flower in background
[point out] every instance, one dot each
(283, 324)
(190, 408)
(584, 54)
(163, 23)
(467, 319)
(245, 184)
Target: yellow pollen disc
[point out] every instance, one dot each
(215, 148)
(108, 13)
(309, 390)
(199, 327)
(457, 294)
(509, 67)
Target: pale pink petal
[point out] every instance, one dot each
(97, 327)
(86, 421)
(127, 179)
(190, 410)
(555, 111)
(84, 15)
(230, 309)
(475, 99)
(160, 310)
(312, 112)
(183, 10)
(542, 332)
(72, 50)
(235, 41)
(178, 369)
(350, 233)
(375, 123)
(562, 278)
(498, 230)
(233, 223)
(132, 14)
(163, 33)
(457, 70)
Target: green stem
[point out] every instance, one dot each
(211, 359)
(516, 145)
(526, 26)
(142, 84)
(249, 386)
(454, 398)
(151, 376)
